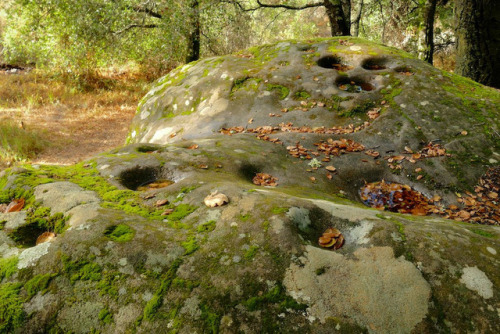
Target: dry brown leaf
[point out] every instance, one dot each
(45, 237)
(193, 147)
(15, 205)
(167, 212)
(161, 202)
(331, 169)
(216, 199)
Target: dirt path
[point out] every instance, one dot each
(77, 126)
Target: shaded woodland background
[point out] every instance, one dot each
(83, 62)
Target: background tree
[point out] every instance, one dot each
(478, 40)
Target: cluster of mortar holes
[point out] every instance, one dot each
(142, 178)
(353, 84)
(374, 63)
(334, 62)
(405, 70)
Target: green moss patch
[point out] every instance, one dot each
(8, 267)
(152, 306)
(283, 91)
(11, 307)
(301, 95)
(105, 316)
(207, 227)
(276, 295)
(83, 270)
(190, 245)
(120, 233)
(39, 283)
(483, 233)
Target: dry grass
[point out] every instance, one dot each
(76, 120)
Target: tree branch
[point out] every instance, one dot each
(265, 5)
(309, 5)
(147, 26)
(148, 11)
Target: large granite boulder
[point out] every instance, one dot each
(136, 249)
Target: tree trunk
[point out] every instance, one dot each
(339, 22)
(477, 28)
(430, 13)
(356, 19)
(194, 35)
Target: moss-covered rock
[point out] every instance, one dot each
(138, 251)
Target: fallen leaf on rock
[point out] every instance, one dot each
(395, 197)
(45, 237)
(372, 153)
(420, 177)
(418, 170)
(264, 179)
(331, 238)
(149, 196)
(216, 199)
(250, 121)
(167, 212)
(331, 169)
(464, 133)
(329, 176)
(161, 202)
(203, 166)
(312, 178)
(15, 205)
(193, 147)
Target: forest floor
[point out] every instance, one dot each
(56, 121)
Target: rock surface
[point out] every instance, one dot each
(141, 252)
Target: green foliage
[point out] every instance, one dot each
(11, 307)
(39, 283)
(8, 267)
(120, 233)
(17, 144)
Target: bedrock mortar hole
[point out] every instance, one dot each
(354, 85)
(374, 64)
(333, 62)
(139, 176)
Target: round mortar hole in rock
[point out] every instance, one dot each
(143, 178)
(315, 226)
(405, 70)
(148, 149)
(374, 64)
(333, 62)
(248, 171)
(26, 236)
(354, 85)
(395, 197)
(307, 48)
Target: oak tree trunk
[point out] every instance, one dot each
(340, 24)
(194, 35)
(430, 13)
(477, 27)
